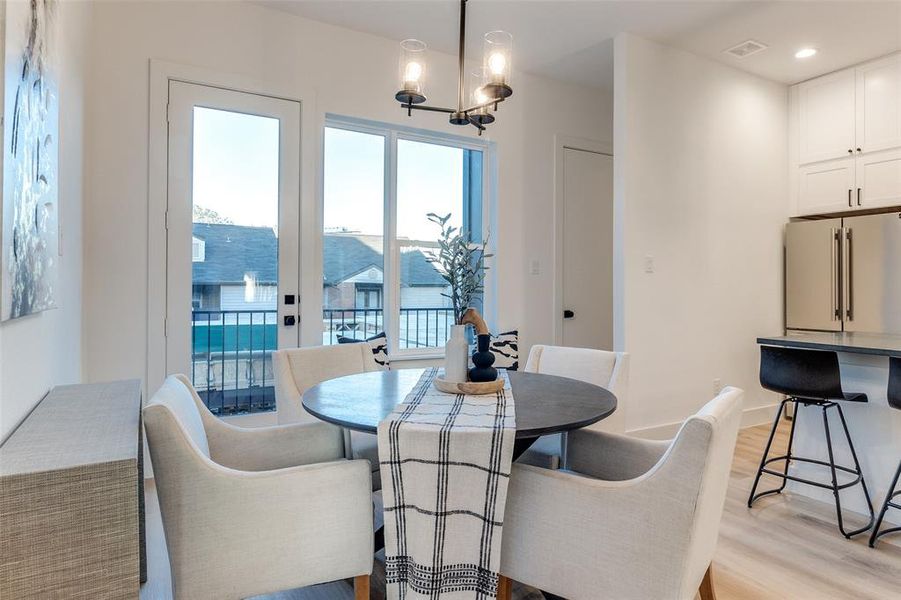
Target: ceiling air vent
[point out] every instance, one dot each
(745, 49)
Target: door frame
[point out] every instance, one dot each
(561, 144)
(161, 73)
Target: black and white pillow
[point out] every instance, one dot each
(379, 345)
(505, 347)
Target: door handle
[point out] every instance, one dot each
(568, 314)
(290, 320)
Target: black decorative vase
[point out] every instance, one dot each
(482, 358)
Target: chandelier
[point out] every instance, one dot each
(489, 85)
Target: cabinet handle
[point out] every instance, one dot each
(859, 150)
(850, 151)
(858, 196)
(849, 198)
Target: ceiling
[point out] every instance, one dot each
(572, 40)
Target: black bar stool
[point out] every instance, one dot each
(808, 378)
(894, 400)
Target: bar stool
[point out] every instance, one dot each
(894, 400)
(809, 378)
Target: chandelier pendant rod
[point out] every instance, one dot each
(462, 55)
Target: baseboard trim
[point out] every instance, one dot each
(750, 417)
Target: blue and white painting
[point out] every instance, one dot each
(30, 238)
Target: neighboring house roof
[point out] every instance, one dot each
(347, 254)
(231, 251)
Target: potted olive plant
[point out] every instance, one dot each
(462, 265)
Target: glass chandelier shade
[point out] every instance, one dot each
(479, 98)
(497, 61)
(412, 72)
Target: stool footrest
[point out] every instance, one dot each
(826, 486)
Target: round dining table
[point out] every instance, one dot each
(545, 404)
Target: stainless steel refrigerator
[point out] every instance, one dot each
(844, 274)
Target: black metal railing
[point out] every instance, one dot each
(418, 327)
(231, 366)
(231, 358)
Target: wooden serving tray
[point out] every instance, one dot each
(469, 387)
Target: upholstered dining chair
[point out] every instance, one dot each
(253, 511)
(298, 369)
(607, 369)
(633, 520)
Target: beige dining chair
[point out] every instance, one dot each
(254, 511)
(633, 519)
(609, 370)
(298, 369)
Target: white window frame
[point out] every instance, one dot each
(391, 247)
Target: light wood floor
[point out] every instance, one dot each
(786, 547)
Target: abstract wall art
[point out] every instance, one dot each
(30, 233)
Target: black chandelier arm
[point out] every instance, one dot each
(440, 109)
(491, 103)
(478, 126)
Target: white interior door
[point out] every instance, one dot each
(232, 241)
(587, 250)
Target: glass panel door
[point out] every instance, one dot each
(232, 247)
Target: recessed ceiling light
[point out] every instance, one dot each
(805, 52)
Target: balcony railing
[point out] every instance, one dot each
(231, 366)
(419, 327)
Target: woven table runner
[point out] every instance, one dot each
(445, 464)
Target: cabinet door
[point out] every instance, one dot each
(879, 179)
(827, 117)
(879, 105)
(826, 187)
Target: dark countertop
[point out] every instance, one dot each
(880, 344)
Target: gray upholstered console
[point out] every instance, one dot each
(71, 496)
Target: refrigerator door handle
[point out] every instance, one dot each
(835, 315)
(847, 275)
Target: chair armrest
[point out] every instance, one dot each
(612, 457)
(234, 534)
(276, 447)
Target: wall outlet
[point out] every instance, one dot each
(648, 263)
(535, 267)
(717, 386)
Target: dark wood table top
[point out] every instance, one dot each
(545, 404)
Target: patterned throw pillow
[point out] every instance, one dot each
(379, 345)
(505, 347)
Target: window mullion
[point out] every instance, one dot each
(391, 283)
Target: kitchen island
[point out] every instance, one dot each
(875, 427)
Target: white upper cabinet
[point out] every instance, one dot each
(879, 179)
(879, 105)
(827, 117)
(826, 187)
(846, 140)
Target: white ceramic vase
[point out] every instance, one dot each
(456, 355)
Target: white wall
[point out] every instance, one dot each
(44, 350)
(701, 185)
(350, 73)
